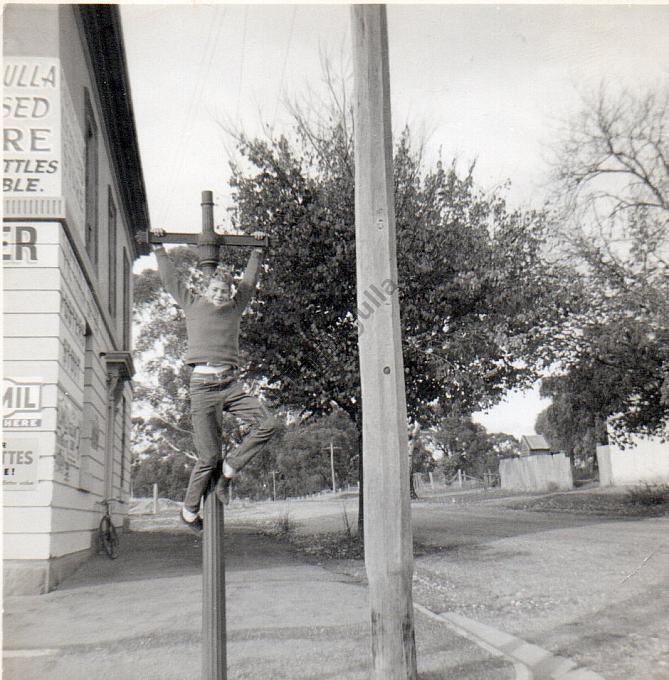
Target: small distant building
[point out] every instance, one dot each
(533, 444)
(537, 468)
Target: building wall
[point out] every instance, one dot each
(646, 462)
(63, 306)
(548, 472)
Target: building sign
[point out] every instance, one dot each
(74, 278)
(68, 433)
(95, 433)
(19, 244)
(19, 463)
(71, 319)
(31, 110)
(21, 403)
(71, 361)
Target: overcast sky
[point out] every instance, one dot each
(484, 81)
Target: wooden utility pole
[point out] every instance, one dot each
(214, 660)
(334, 482)
(388, 540)
(331, 448)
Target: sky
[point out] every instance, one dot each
(484, 82)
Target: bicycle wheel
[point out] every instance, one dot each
(109, 537)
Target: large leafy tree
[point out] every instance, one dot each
(467, 446)
(611, 173)
(302, 456)
(479, 305)
(575, 421)
(480, 308)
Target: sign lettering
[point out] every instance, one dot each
(31, 112)
(71, 318)
(19, 464)
(22, 244)
(73, 276)
(21, 398)
(71, 360)
(68, 434)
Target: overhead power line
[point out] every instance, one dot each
(204, 69)
(283, 68)
(241, 64)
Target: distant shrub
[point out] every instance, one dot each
(284, 525)
(649, 494)
(348, 526)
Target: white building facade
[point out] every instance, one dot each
(73, 198)
(644, 460)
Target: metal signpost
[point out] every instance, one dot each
(214, 664)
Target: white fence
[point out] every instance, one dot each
(427, 482)
(543, 472)
(647, 462)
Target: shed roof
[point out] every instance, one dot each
(535, 442)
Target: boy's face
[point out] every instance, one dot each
(218, 292)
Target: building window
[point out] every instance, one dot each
(127, 311)
(111, 228)
(91, 181)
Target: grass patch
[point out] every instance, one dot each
(330, 546)
(284, 526)
(599, 504)
(334, 545)
(649, 495)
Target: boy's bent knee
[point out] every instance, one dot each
(269, 425)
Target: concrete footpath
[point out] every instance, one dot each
(139, 617)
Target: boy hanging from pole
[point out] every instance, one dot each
(212, 325)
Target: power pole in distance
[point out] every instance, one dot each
(332, 471)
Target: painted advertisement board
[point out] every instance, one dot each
(19, 463)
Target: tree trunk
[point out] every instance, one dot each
(361, 501)
(412, 486)
(356, 415)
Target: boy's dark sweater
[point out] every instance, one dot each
(213, 332)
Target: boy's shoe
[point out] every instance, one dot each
(223, 489)
(192, 520)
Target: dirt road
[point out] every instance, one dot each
(588, 588)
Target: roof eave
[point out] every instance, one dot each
(104, 36)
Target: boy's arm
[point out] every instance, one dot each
(249, 280)
(170, 277)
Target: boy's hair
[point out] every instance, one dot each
(223, 273)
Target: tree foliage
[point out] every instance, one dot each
(479, 305)
(303, 455)
(611, 174)
(481, 308)
(467, 446)
(575, 422)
